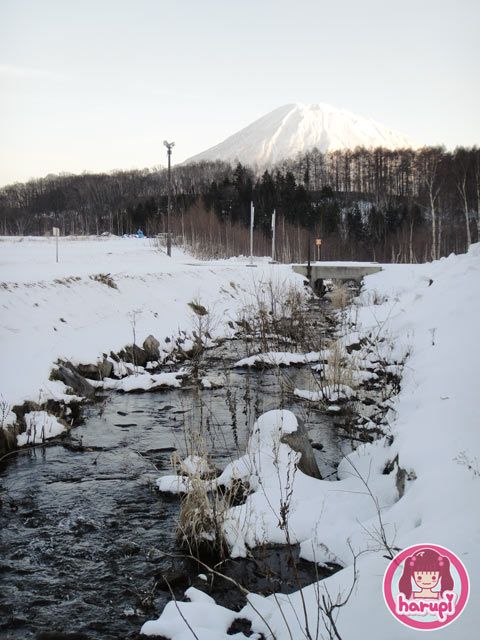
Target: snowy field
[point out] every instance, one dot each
(52, 311)
(431, 312)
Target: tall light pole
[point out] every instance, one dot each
(169, 146)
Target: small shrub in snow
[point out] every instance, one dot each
(105, 278)
(339, 296)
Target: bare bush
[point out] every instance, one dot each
(276, 316)
(203, 507)
(105, 278)
(5, 409)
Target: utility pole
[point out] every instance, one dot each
(252, 221)
(309, 245)
(169, 146)
(273, 234)
(309, 262)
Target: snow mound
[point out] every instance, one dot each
(142, 382)
(41, 426)
(210, 621)
(281, 358)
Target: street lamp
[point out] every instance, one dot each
(169, 146)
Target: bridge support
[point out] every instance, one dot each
(318, 286)
(317, 273)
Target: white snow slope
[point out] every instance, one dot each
(433, 312)
(297, 128)
(51, 311)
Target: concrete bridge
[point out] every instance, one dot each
(346, 271)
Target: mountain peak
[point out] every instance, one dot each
(296, 128)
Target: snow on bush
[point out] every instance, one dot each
(281, 358)
(329, 393)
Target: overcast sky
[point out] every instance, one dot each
(99, 84)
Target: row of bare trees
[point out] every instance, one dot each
(403, 205)
(443, 184)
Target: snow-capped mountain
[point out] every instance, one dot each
(296, 128)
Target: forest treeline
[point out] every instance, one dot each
(400, 206)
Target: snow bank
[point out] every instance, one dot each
(431, 311)
(52, 311)
(209, 620)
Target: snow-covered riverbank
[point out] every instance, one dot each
(103, 290)
(424, 476)
(68, 310)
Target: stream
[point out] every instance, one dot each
(85, 535)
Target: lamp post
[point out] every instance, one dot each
(169, 146)
(309, 240)
(309, 262)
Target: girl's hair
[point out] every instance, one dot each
(425, 560)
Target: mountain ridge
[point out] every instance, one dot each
(297, 128)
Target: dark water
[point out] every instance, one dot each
(83, 531)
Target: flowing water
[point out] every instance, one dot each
(83, 531)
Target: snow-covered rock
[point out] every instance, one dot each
(328, 393)
(41, 426)
(281, 359)
(210, 620)
(143, 382)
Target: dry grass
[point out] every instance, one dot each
(339, 296)
(277, 318)
(105, 278)
(202, 515)
(340, 368)
(203, 508)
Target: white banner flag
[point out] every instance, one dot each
(252, 215)
(273, 235)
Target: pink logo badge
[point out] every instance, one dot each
(426, 587)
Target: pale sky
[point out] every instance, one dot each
(99, 84)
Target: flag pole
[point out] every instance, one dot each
(252, 222)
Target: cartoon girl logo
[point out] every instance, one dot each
(426, 587)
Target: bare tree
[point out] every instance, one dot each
(429, 161)
(461, 170)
